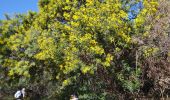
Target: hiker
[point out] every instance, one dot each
(20, 94)
(73, 97)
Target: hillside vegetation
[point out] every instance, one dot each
(90, 48)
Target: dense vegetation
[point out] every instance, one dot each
(88, 47)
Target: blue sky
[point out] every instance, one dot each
(23, 6)
(135, 9)
(17, 6)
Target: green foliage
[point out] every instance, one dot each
(129, 77)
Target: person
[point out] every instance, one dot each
(73, 97)
(20, 94)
